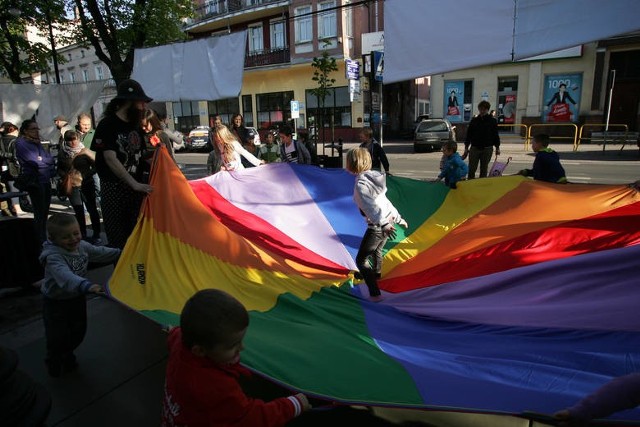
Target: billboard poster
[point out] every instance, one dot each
(508, 111)
(453, 100)
(561, 97)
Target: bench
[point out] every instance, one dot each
(618, 137)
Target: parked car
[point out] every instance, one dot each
(430, 134)
(198, 139)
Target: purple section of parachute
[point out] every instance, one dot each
(596, 291)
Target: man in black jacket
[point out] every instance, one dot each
(378, 156)
(482, 136)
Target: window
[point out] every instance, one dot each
(277, 35)
(69, 55)
(85, 75)
(213, 7)
(303, 25)
(61, 77)
(188, 115)
(225, 107)
(507, 99)
(348, 20)
(337, 108)
(255, 39)
(82, 53)
(247, 110)
(327, 20)
(72, 76)
(99, 72)
(273, 108)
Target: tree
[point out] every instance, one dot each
(324, 65)
(18, 54)
(115, 28)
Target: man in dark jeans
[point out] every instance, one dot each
(482, 136)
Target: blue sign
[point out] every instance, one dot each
(352, 69)
(453, 100)
(378, 65)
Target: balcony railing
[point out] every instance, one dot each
(221, 8)
(267, 57)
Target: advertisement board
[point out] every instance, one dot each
(453, 100)
(561, 97)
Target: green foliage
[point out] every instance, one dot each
(324, 65)
(18, 55)
(115, 28)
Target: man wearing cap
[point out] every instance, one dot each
(62, 124)
(118, 146)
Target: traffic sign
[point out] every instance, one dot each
(295, 109)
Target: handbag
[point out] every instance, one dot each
(66, 185)
(24, 182)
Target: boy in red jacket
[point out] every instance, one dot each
(201, 387)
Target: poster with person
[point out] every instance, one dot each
(453, 100)
(561, 97)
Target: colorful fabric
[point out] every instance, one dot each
(502, 296)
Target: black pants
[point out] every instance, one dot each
(75, 198)
(369, 258)
(65, 325)
(120, 209)
(41, 201)
(90, 198)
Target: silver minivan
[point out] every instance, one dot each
(431, 133)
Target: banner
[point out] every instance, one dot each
(561, 96)
(204, 69)
(453, 100)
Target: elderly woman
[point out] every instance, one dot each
(36, 171)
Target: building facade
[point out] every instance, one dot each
(284, 36)
(570, 86)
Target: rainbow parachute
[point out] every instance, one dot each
(502, 296)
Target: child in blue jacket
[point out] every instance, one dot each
(453, 167)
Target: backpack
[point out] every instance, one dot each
(8, 155)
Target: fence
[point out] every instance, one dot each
(574, 134)
(622, 136)
(571, 127)
(521, 136)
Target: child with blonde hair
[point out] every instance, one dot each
(228, 151)
(369, 193)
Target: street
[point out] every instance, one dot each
(587, 165)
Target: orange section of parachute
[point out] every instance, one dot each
(511, 216)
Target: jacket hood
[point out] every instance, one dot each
(48, 248)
